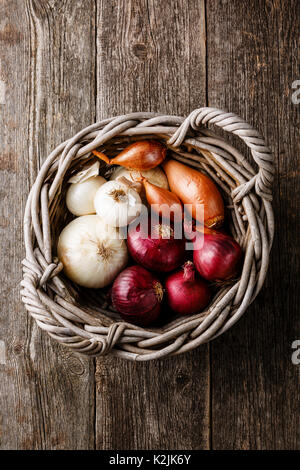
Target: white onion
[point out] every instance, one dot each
(92, 252)
(117, 203)
(80, 196)
(155, 176)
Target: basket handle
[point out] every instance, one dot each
(231, 122)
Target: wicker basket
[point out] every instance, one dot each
(82, 319)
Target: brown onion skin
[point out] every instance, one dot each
(169, 204)
(194, 188)
(137, 295)
(159, 255)
(141, 155)
(186, 293)
(219, 257)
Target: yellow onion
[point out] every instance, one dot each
(195, 189)
(141, 155)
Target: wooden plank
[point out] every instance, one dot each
(151, 56)
(253, 59)
(47, 51)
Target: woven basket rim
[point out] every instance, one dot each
(96, 331)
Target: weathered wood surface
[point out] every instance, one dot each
(47, 54)
(253, 59)
(135, 403)
(64, 65)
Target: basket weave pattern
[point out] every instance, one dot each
(92, 326)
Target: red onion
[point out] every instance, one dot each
(137, 295)
(162, 254)
(186, 293)
(218, 257)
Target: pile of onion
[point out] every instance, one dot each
(137, 295)
(93, 250)
(155, 246)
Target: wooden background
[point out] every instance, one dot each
(65, 64)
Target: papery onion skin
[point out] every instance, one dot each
(141, 155)
(217, 256)
(157, 254)
(185, 292)
(155, 175)
(137, 295)
(194, 188)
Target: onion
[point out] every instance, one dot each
(92, 252)
(80, 196)
(217, 256)
(155, 176)
(117, 203)
(197, 191)
(162, 201)
(137, 295)
(186, 293)
(141, 155)
(158, 251)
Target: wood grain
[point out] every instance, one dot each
(151, 57)
(47, 53)
(66, 63)
(253, 58)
